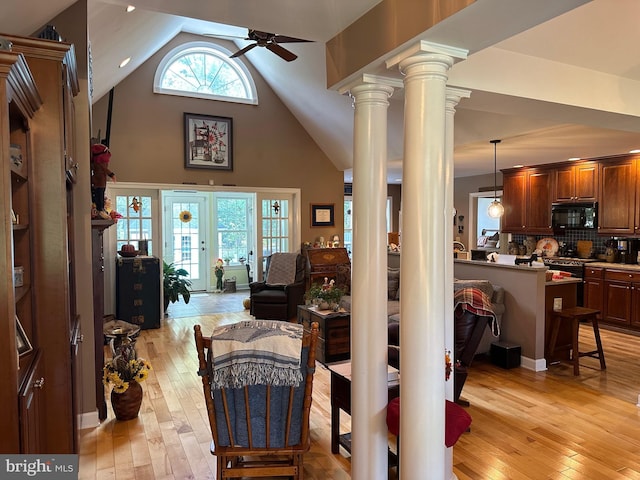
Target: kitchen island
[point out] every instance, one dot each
(528, 303)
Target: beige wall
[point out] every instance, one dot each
(270, 147)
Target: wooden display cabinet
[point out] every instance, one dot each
(38, 72)
(19, 101)
(326, 263)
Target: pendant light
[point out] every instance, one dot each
(495, 210)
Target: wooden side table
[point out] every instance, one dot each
(341, 400)
(334, 336)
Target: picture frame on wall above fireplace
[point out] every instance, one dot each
(208, 142)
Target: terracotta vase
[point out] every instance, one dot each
(127, 405)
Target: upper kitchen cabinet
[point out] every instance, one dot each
(527, 198)
(576, 183)
(514, 199)
(617, 199)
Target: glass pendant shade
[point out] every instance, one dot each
(495, 210)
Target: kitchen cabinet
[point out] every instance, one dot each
(594, 288)
(514, 199)
(618, 288)
(617, 199)
(576, 183)
(527, 198)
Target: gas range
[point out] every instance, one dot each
(568, 261)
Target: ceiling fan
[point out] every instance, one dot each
(271, 41)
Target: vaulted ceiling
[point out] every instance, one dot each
(553, 80)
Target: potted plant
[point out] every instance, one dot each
(325, 296)
(174, 284)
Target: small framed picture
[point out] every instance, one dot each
(322, 215)
(208, 142)
(22, 341)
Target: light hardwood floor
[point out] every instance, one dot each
(526, 425)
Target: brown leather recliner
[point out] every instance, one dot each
(278, 302)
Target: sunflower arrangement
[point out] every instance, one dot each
(125, 368)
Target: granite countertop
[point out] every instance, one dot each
(615, 266)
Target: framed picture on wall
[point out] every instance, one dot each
(208, 142)
(22, 341)
(322, 215)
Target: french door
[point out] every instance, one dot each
(185, 235)
(275, 227)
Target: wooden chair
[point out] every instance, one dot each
(259, 430)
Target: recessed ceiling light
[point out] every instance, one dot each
(124, 62)
(573, 159)
(130, 8)
(634, 151)
(518, 166)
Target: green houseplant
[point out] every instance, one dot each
(325, 296)
(174, 284)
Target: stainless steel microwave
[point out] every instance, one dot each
(574, 216)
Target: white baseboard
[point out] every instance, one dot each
(88, 420)
(539, 365)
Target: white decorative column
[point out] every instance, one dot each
(369, 282)
(423, 261)
(453, 97)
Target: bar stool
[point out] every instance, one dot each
(576, 315)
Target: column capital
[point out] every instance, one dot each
(453, 97)
(373, 82)
(423, 47)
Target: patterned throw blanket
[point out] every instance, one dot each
(256, 352)
(477, 302)
(282, 269)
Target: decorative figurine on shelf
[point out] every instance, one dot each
(219, 271)
(100, 157)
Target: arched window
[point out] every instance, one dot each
(204, 70)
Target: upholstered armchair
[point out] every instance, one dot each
(278, 296)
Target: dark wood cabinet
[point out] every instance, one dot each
(619, 287)
(539, 198)
(514, 199)
(527, 198)
(576, 183)
(138, 291)
(617, 202)
(334, 333)
(594, 288)
(330, 263)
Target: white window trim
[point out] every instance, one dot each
(236, 64)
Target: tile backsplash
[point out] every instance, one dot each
(571, 238)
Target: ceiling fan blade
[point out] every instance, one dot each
(285, 39)
(282, 52)
(244, 50)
